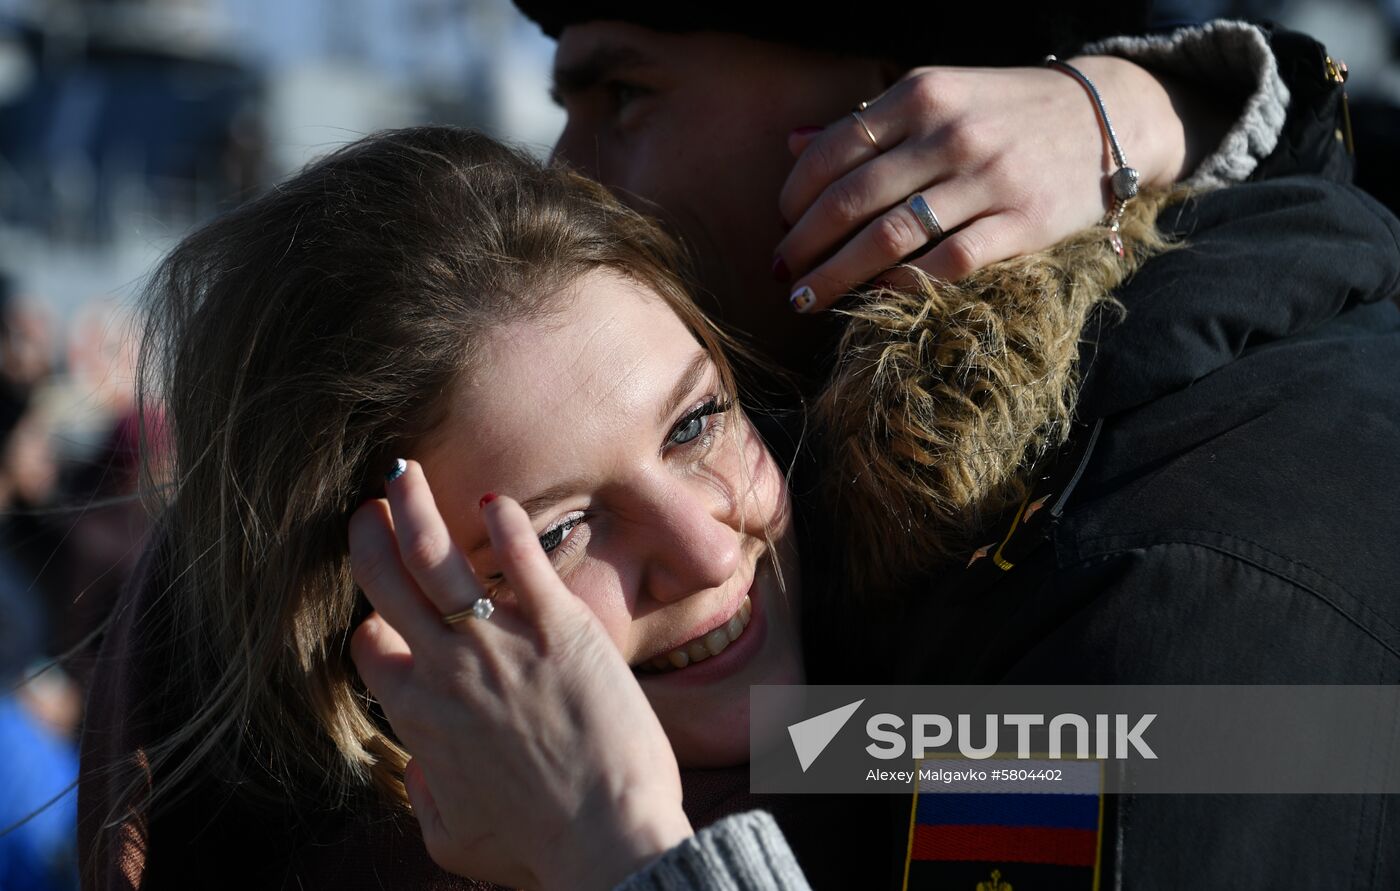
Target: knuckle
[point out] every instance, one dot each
(367, 566)
(425, 549)
(892, 236)
(963, 254)
(925, 91)
(823, 160)
(970, 141)
(843, 202)
(1028, 215)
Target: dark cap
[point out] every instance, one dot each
(972, 32)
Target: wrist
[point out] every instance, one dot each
(1150, 127)
(615, 840)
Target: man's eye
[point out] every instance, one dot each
(621, 94)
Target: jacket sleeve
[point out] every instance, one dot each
(1291, 106)
(744, 851)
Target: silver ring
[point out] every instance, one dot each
(866, 127)
(481, 608)
(926, 216)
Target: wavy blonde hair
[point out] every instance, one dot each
(945, 396)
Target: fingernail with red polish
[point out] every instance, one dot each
(806, 131)
(486, 499)
(400, 465)
(780, 270)
(803, 299)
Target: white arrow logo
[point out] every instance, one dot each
(811, 736)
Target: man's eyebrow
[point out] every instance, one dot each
(593, 68)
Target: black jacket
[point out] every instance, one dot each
(1236, 519)
(1227, 511)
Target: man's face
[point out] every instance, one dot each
(692, 128)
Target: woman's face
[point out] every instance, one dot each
(655, 500)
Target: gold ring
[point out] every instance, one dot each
(866, 127)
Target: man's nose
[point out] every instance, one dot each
(693, 546)
(577, 149)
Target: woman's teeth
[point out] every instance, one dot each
(702, 648)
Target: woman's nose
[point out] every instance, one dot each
(693, 547)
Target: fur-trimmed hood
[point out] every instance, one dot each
(944, 401)
(944, 397)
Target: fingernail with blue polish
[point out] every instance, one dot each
(400, 465)
(803, 299)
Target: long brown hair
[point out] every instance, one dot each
(297, 344)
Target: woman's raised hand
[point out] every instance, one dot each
(536, 759)
(1010, 161)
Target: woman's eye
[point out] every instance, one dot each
(554, 536)
(693, 428)
(696, 422)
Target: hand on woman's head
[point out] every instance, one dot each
(1010, 160)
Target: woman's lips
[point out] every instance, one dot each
(733, 656)
(705, 646)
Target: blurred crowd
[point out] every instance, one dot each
(124, 124)
(71, 529)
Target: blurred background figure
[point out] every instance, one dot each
(39, 711)
(125, 123)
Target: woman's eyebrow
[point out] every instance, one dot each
(687, 382)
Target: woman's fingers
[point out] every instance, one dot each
(381, 656)
(988, 240)
(426, 547)
(960, 137)
(380, 573)
(831, 153)
(537, 587)
(852, 203)
(887, 240)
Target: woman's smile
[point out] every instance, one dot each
(701, 647)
